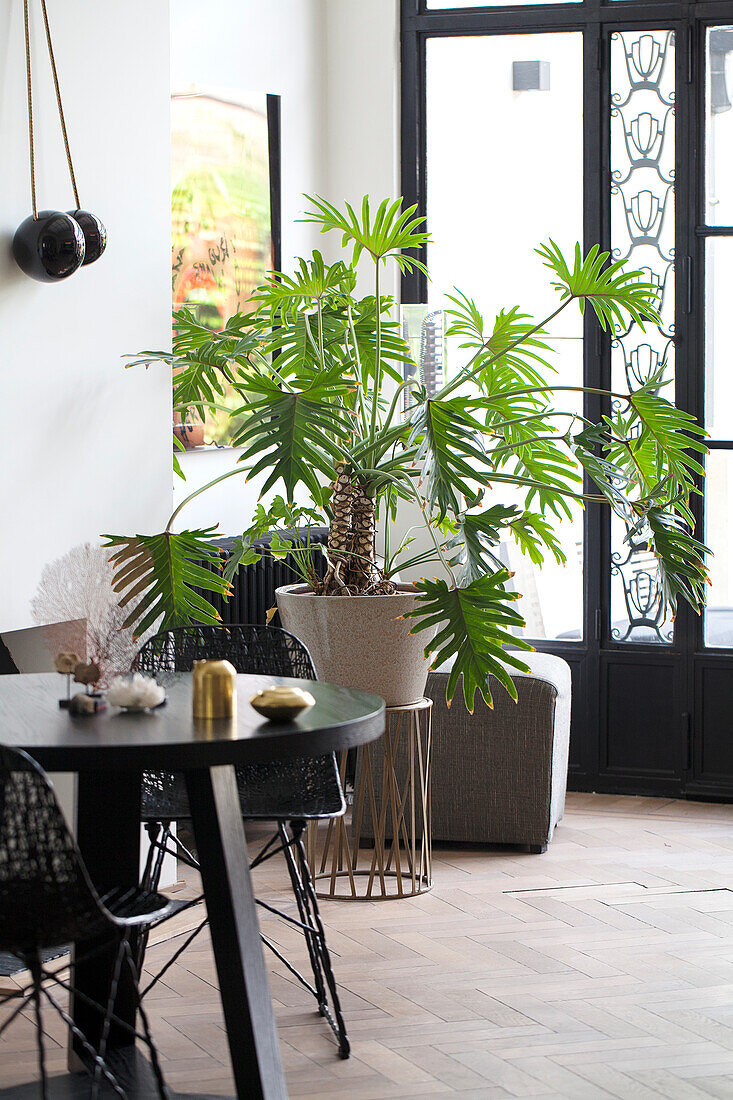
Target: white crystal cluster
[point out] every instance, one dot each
(135, 691)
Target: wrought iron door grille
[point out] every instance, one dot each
(642, 231)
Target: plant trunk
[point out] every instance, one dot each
(339, 535)
(363, 572)
(352, 566)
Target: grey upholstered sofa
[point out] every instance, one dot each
(499, 776)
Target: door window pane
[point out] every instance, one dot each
(719, 537)
(719, 337)
(642, 233)
(505, 172)
(504, 167)
(719, 126)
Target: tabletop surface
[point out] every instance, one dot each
(169, 737)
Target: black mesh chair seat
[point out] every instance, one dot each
(36, 922)
(47, 899)
(273, 790)
(25, 927)
(287, 792)
(276, 790)
(138, 906)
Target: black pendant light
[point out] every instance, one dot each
(50, 245)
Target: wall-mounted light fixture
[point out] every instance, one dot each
(531, 76)
(50, 245)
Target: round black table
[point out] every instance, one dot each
(110, 750)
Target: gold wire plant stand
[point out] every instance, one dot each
(387, 851)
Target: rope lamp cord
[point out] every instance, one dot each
(62, 119)
(29, 83)
(52, 245)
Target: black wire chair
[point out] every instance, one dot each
(47, 900)
(288, 792)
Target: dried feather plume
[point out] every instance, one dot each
(77, 586)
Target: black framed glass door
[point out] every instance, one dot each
(609, 123)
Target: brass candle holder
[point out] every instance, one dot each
(214, 689)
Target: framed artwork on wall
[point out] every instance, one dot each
(225, 164)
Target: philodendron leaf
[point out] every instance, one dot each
(472, 543)
(240, 554)
(450, 451)
(294, 435)
(671, 434)
(533, 533)
(514, 345)
(177, 446)
(388, 231)
(165, 571)
(312, 281)
(681, 559)
(474, 627)
(616, 294)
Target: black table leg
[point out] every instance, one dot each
(108, 835)
(235, 933)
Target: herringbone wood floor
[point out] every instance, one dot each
(601, 968)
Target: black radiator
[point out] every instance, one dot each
(254, 585)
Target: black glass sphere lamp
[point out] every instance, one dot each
(49, 247)
(95, 234)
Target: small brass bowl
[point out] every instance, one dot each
(281, 704)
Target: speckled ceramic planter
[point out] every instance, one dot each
(359, 641)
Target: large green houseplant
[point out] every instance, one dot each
(320, 371)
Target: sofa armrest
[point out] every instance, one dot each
(492, 770)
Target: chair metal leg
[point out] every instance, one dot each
(154, 861)
(302, 902)
(146, 1023)
(85, 1045)
(174, 957)
(37, 987)
(324, 955)
(108, 1014)
(25, 997)
(310, 919)
(158, 834)
(36, 991)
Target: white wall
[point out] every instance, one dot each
(86, 444)
(362, 105)
(274, 46)
(362, 98)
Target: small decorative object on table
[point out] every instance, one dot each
(83, 703)
(281, 704)
(87, 674)
(136, 692)
(65, 664)
(214, 689)
(89, 701)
